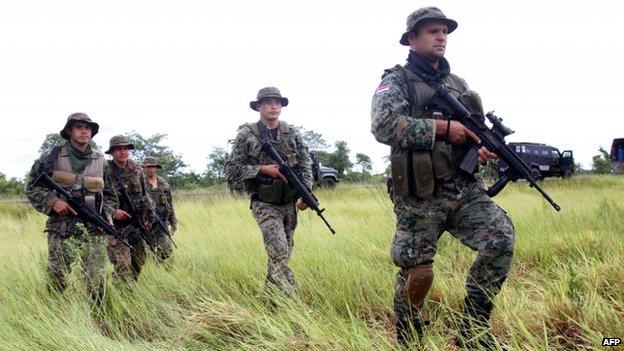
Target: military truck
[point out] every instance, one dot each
(617, 156)
(544, 160)
(326, 177)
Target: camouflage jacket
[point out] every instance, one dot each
(391, 122)
(161, 195)
(43, 199)
(132, 178)
(244, 161)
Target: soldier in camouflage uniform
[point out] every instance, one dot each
(160, 192)
(273, 201)
(81, 170)
(431, 193)
(129, 175)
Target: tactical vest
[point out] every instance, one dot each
(415, 172)
(274, 191)
(129, 178)
(88, 183)
(158, 195)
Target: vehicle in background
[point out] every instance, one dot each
(544, 160)
(617, 156)
(325, 177)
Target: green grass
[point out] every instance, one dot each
(565, 291)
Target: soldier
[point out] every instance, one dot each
(160, 193)
(431, 193)
(81, 170)
(129, 175)
(272, 199)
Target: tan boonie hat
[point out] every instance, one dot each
(265, 93)
(424, 14)
(119, 140)
(151, 161)
(79, 117)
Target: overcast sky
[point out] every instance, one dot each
(551, 69)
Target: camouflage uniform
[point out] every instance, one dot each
(128, 263)
(451, 200)
(277, 221)
(67, 241)
(161, 195)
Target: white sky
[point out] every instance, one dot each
(551, 69)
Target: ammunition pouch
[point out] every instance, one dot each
(274, 191)
(415, 172)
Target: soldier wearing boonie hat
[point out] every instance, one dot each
(160, 192)
(430, 192)
(80, 170)
(273, 202)
(130, 176)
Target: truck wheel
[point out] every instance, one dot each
(567, 174)
(328, 183)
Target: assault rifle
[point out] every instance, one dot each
(137, 219)
(493, 139)
(295, 181)
(83, 211)
(158, 221)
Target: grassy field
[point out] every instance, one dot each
(565, 291)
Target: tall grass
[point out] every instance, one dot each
(565, 291)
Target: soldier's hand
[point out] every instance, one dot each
(485, 155)
(62, 208)
(272, 171)
(121, 215)
(457, 133)
(301, 205)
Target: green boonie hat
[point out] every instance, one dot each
(151, 161)
(79, 117)
(424, 14)
(265, 93)
(119, 140)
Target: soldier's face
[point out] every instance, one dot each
(430, 40)
(151, 171)
(270, 108)
(79, 133)
(121, 154)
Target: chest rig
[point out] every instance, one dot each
(159, 196)
(416, 172)
(128, 178)
(87, 184)
(265, 189)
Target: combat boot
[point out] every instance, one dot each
(405, 330)
(474, 329)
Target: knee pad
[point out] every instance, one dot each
(418, 282)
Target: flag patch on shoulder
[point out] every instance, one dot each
(382, 88)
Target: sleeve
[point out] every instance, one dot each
(390, 120)
(172, 217)
(40, 197)
(237, 168)
(109, 199)
(305, 162)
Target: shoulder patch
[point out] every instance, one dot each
(382, 88)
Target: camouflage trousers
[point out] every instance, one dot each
(164, 246)
(127, 263)
(277, 223)
(90, 249)
(466, 212)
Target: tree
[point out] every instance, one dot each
(216, 164)
(314, 140)
(10, 186)
(339, 159)
(171, 162)
(601, 163)
(55, 139)
(362, 160)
